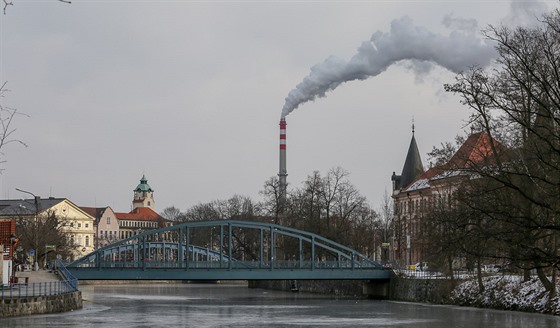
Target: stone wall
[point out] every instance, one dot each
(18, 306)
(436, 291)
(348, 288)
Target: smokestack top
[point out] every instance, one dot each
(283, 133)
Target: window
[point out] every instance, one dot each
(79, 225)
(87, 225)
(87, 240)
(108, 220)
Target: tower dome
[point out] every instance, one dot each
(143, 195)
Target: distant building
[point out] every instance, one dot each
(416, 191)
(143, 195)
(78, 224)
(142, 217)
(106, 225)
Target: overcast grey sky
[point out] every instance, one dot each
(190, 94)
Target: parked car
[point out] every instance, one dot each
(493, 268)
(421, 266)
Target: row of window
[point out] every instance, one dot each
(78, 240)
(109, 233)
(134, 224)
(424, 203)
(139, 224)
(79, 225)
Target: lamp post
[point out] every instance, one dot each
(36, 198)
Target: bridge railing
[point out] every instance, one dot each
(68, 284)
(225, 245)
(279, 264)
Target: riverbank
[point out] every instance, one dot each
(507, 293)
(500, 292)
(37, 293)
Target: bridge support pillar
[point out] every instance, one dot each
(376, 289)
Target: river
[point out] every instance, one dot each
(216, 305)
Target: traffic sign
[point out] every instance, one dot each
(32, 252)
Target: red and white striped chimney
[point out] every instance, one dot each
(283, 172)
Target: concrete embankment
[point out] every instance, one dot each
(436, 291)
(346, 288)
(28, 305)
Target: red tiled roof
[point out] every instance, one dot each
(477, 149)
(139, 214)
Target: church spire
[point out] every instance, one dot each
(412, 165)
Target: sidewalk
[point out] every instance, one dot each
(38, 276)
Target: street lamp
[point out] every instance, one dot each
(36, 198)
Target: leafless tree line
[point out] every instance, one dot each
(327, 205)
(508, 205)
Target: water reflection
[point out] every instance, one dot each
(209, 305)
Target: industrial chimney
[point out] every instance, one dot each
(283, 172)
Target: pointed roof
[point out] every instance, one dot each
(475, 151)
(143, 186)
(96, 212)
(412, 165)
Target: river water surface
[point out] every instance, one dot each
(215, 305)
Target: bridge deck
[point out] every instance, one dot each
(225, 274)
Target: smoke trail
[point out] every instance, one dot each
(456, 52)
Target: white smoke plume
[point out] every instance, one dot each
(456, 52)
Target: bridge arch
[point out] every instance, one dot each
(226, 249)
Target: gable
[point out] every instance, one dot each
(68, 210)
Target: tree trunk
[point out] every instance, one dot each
(479, 275)
(450, 266)
(547, 284)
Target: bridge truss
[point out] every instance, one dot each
(226, 250)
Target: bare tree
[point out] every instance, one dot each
(519, 104)
(11, 3)
(7, 131)
(172, 213)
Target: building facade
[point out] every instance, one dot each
(416, 192)
(142, 217)
(106, 225)
(73, 221)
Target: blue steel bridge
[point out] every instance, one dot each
(226, 250)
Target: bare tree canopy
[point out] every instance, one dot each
(7, 131)
(518, 103)
(11, 3)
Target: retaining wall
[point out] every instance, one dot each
(349, 288)
(19, 306)
(436, 291)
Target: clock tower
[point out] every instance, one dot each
(143, 195)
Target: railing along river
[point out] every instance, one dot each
(67, 284)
